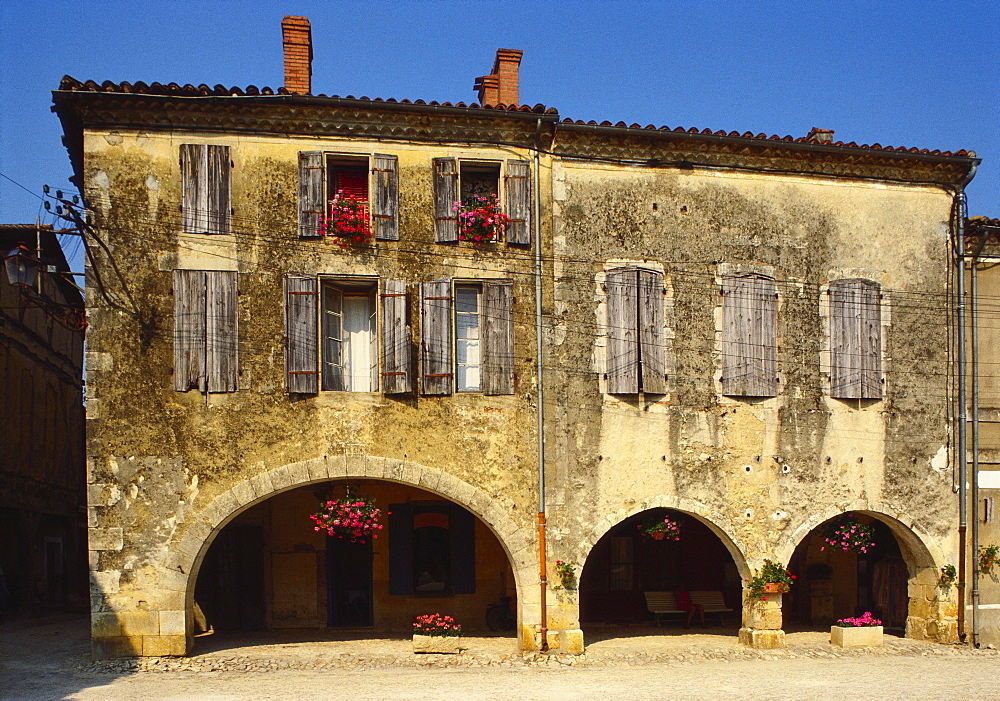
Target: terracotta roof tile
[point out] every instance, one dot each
(173, 89)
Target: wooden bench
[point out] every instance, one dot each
(664, 603)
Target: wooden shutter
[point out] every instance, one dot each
(435, 337)
(445, 196)
(206, 200)
(218, 169)
(221, 331)
(194, 195)
(396, 375)
(189, 330)
(855, 340)
(301, 365)
(463, 550)
(650, 304)
(519, 202)
(498, 337)
(312, 193)
(749, 336)
(385, 198)
(400, 518)
(623, 345)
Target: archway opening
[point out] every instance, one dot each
(270, 569)
(833, 583)
(632, 576)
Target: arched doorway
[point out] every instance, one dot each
(269, 568)
(627, 562)
(833, 583)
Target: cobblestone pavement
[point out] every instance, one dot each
(52, 661)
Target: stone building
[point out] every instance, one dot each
(43, 541)
(747, 335)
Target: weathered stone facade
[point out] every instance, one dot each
(756, 475)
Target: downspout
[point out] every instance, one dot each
(542, 575)
(960, 456)
(974, 342)
(960, 444)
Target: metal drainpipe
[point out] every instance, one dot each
(542, 576)
(961, 457)
(960, 453)
(974, 341)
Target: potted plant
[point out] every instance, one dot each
(347, 220)
(847, 533)
(660, 529)
(865, 631)
(947, 578)
(435, 633)
(566, 571)
(480, 219)
(989, 557)
(354, 518)
(773, 578)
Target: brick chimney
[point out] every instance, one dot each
(501, 86)
(820, 136)
(297, 41)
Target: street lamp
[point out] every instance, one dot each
(22, 266)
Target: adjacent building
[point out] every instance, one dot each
(43, 540)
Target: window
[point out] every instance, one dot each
(749, 336)
(205, 189)
(635, 331)
(332, 335)
(460, 181)
(479, 326)
(205, 331)
(855, 340)
(374, 180)
(432, 549)
(348, 333)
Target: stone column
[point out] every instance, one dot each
(762, 622)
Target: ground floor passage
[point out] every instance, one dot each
(270, 568)
(629, 562)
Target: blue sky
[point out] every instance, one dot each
(923, 74)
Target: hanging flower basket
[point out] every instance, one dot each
(660, 529)
(847, 533)
(353, 518)
(480, 219)
(347, 221)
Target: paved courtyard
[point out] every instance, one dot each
(51, 661)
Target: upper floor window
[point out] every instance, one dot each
(373, 181)
(205, 330)
(206, 205)
(855, 340)
(348, 337)
(749, 336)
(462, 181)
(635, 358)
(467, 334)
(342, 334)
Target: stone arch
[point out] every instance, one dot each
(715, 521)
(919, 550)
(208, 522)
(931, 612)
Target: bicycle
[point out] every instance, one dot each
(501, 617)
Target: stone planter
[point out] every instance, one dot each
(775, 588)
(437, 644)
(856, 636)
